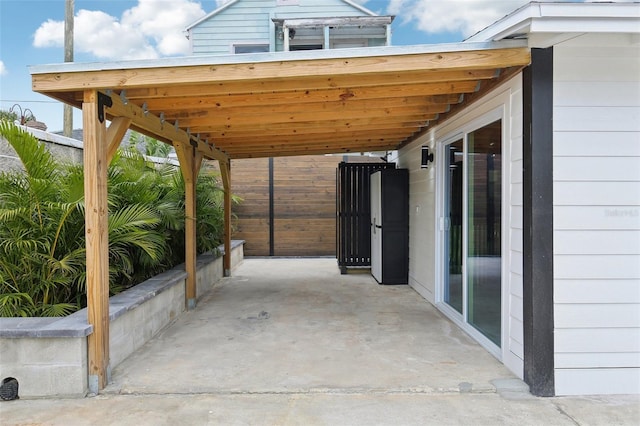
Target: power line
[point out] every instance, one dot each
(32, 102)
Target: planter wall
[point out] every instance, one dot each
(48, 356)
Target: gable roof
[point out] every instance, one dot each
(232, 2)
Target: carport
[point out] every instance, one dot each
(259, 105)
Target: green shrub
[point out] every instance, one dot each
(42, 241)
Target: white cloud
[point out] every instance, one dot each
(49, 34)
(3, 69)
(464, 16)
(151, 29)
(164, 22)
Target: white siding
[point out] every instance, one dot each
(597, 215)
(423, 241)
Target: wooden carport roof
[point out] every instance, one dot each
(262, 105)
(291, 103)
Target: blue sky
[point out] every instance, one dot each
(31, 33)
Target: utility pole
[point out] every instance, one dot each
(68, 57)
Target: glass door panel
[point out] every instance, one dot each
(453, 216)
(484, 171)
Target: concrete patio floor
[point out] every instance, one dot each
(291, 341)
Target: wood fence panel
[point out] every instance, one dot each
(250, 181)
(304, 205)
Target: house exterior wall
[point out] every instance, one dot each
(504, 102)
(597, 215)
(249, 22)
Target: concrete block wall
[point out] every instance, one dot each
(140, 313)
(48, 356)
(46, 366)
(207, 277)
(61, 147)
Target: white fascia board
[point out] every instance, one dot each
(587, 25)
(517, 22)
(595, 9)
(210, 14)
(564, 17)
(251, 58)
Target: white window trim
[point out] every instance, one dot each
(232, 46)
(461, 132)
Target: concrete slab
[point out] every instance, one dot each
(291, 325)
(293, 342)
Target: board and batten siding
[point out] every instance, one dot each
(249, 21)
(424, 252)
(597, 215)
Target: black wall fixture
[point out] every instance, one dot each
(426, 157)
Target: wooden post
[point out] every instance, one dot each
(97, 241)
(225, 168)
(190, 162)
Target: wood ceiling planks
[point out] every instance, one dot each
(287, 107)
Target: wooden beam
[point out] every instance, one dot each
(256, 139)
(115, 133)
(157, 97)
(312, 150)
(335, 94)
(190, 162)
(319, 147)
(469, 99)
(225, 170)
(97, 241)
(153, 125)
(246, 71)
(341, 125)
(319, 132)
(217, 106)
(235, 145)
(404, 113)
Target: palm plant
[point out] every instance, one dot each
(134, 181)
(42, 254)
(41, 229)
(42, 241)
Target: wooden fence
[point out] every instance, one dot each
(289, 204)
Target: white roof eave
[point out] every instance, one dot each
(564, 17)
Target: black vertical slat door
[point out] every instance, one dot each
(353, 215)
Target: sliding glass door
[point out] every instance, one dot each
(472, 229)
